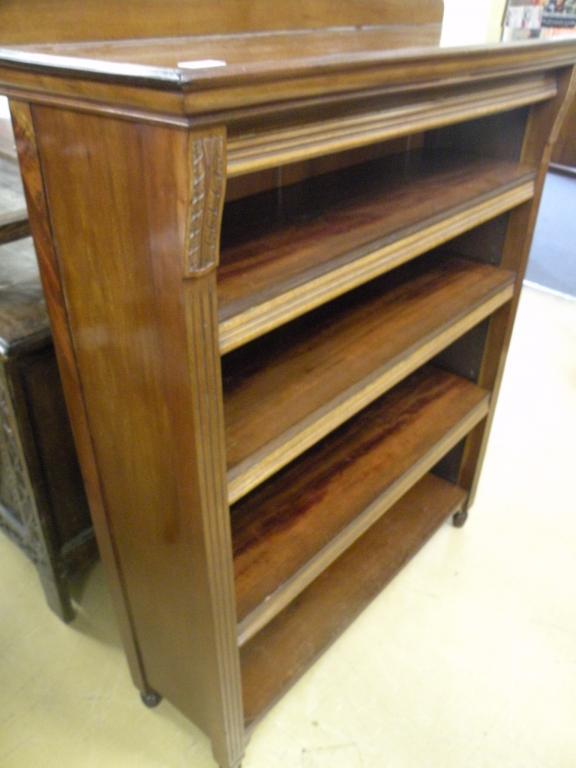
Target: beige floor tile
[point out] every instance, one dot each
(467, 660)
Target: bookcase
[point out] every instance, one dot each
(282, 271)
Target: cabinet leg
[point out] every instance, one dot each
(38, 540)
(56, 591)
(150, 699)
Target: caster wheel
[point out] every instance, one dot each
(459, 519)
(150, 699)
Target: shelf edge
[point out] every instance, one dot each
(457, 501)
(260, 466)
(249, 154)
(271, 607)
(256, 321)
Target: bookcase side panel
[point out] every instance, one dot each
(135, 212)
(41, 229)
(542, 127)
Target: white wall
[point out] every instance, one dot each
(471, 22)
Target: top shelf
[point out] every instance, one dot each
(324, 236)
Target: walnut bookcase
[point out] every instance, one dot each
(281, 293)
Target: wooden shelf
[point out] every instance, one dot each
(297, 386)
(324, 236)
(397, 116)
(292, 528)
(287, 647)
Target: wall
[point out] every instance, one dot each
(471, 22)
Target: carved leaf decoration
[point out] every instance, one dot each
(208, 175)
(16, 486)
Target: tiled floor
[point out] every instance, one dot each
(468, 660)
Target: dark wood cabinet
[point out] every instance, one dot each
(282, 272)
(43, 507)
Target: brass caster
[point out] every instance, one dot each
(150, 699)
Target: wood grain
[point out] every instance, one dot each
(20, 516)
(289, 531)
(48, 261)
(113, 19)
(123, 153)
(281, 653)
(325, 236)
(564, 152)
(40, 483)
(273, 47)
(540, 136)
(398, 116)
(284, 396)
(145, 354)
(269, 70)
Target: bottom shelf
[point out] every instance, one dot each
(274, 659)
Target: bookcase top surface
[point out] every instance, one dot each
(182, 61)
(238, 70)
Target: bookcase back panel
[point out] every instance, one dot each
(498, 136)
(121, 19)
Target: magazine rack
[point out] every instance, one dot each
(282, 271)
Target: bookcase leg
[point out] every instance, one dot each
(227, 764)
(460, 518)
(150, 699)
